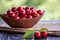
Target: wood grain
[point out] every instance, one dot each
(53, 27)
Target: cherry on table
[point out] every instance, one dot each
(37, 34)
(44, 34)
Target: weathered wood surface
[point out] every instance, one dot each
(51, 25)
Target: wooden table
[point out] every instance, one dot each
(51, 25)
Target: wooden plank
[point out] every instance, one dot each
(53, 27)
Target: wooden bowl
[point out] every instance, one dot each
(20, 23)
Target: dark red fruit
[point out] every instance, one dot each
(44, 34)
(11, 14)
(23, 17)
(37, 34)
(31, 8)
(26, 8)
(17, 13)
(29, 16)
(13, 9)
(19, 8)
(40, 12)
(24, 12)
(8, 12)
(35, 14)
(28, 12)
(16, 17)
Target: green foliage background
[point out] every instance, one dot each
(51, 7)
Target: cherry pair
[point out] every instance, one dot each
(40, 34)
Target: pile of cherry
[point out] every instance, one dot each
(21, 12)
(42, 34)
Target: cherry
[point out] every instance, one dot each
(22, 16)
(16, 17)
(26, 8)
(37, 34)
(16, 13)
(11, 14)
(13, 9)
(28, 12)
(19, 8)
(44, 34)
(40, 12)
(35, 14)
(29, 16)
(31, 8)
(8, 11)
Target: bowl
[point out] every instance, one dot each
(21, 23)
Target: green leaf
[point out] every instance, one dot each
(28, 34)
(43, 29)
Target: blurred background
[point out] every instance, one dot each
(51, 7)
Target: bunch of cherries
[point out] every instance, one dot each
(21, 12)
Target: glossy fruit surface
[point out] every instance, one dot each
(44, 34)
(37, 34)
(24, 12)
(40, 12)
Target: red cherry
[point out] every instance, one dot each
(16, 17)
(26, 8)
(29, 16)
(22, 13)
(8, 11)
(28, 12)
(31, 8)
(40, 12)
(11, 14)
(44, 34)
(37, 34)
(35, 14)
(23, 17)
(13, 9)
(16, 13)
(19, 8)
